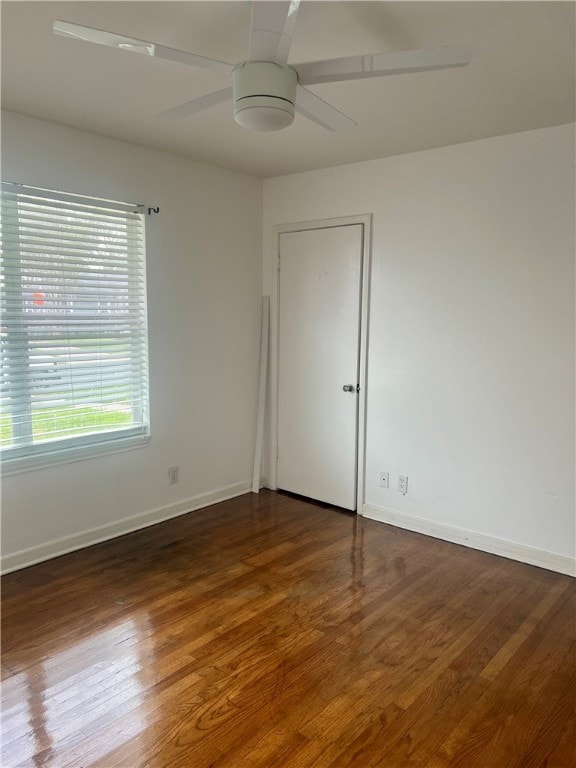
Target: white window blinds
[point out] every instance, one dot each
(73, 336)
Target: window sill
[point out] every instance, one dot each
(67, 455)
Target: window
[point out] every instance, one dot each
(73, 337)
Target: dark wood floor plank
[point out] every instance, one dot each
(272, 632)
(441, 702)
(536, 684)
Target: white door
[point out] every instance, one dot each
(318, 374)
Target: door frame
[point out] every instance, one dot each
(366, 221)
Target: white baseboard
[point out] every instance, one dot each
(57, 547)
(540, 557)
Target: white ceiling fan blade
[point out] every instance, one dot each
(380, 64)
(196, 105)
(314, 108)
(271, 29)
(90, 35)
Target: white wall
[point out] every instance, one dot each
(204, 288)
(471, 349)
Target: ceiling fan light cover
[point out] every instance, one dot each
(264, 95)
(263, 113)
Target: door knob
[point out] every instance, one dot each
(348, 387)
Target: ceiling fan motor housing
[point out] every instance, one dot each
(264, 95)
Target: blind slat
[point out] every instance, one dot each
(51, 197)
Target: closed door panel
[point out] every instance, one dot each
(319, 328)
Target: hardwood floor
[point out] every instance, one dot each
(269, 631)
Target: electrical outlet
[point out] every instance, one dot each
(173, 475)
(384, 480)
(403, 484)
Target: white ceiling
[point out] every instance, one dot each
(522, 76)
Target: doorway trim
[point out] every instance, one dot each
(366, 221)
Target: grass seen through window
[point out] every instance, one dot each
(66, 422)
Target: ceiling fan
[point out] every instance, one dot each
(266, 89)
